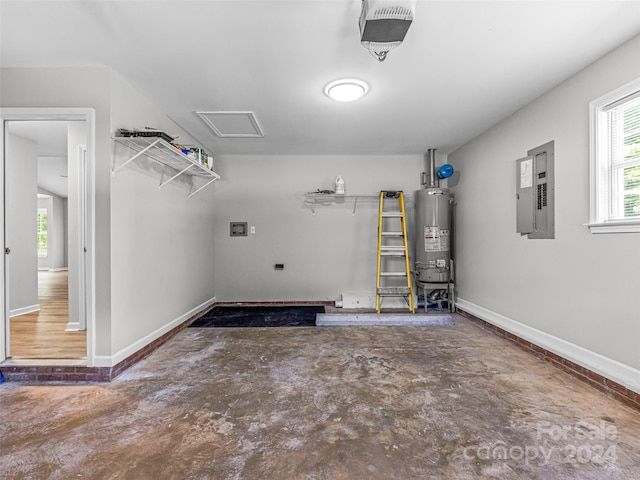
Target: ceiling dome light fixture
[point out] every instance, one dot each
(346, 89)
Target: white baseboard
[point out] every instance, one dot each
(72, 327)
(24, 310)
(111, 360)
(620, 373)
(58, 269)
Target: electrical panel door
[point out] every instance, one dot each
(524, 195)
(535, 193)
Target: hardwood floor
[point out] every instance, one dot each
(42, 335)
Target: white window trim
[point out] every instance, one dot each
(599, 203)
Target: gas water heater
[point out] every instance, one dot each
(433, 214)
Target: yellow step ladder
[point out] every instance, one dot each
(390, 248)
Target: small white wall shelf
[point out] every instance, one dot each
(312, 200)
(164, 153)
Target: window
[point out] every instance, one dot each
(41, 231)
(615, 161)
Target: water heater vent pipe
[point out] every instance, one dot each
(430, 157)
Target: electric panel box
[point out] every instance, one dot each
(535, 204)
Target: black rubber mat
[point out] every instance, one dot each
(258, 316)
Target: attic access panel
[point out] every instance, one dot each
(232, 124)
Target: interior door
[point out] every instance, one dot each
(20, 189)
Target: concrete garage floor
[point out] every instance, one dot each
(323, 403)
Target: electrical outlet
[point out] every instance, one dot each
(253, 229)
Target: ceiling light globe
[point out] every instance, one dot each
(346, 90)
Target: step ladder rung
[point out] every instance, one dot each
(393, 274)
(392, 214)
(392, 253)
(392, 234)
(393, 291)
(399, 248)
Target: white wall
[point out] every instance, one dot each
(21, 208)
(579, 291)
(326, 254)
(59, 252)
(162, 265)
(80, 87)
(162, 241)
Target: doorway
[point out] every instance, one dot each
(47, 218)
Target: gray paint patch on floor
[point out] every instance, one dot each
(383, 319)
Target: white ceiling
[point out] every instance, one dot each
(51, 140)
(464, 65)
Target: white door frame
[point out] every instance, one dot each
(82, 240)
(81, 255)
(60, 114)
